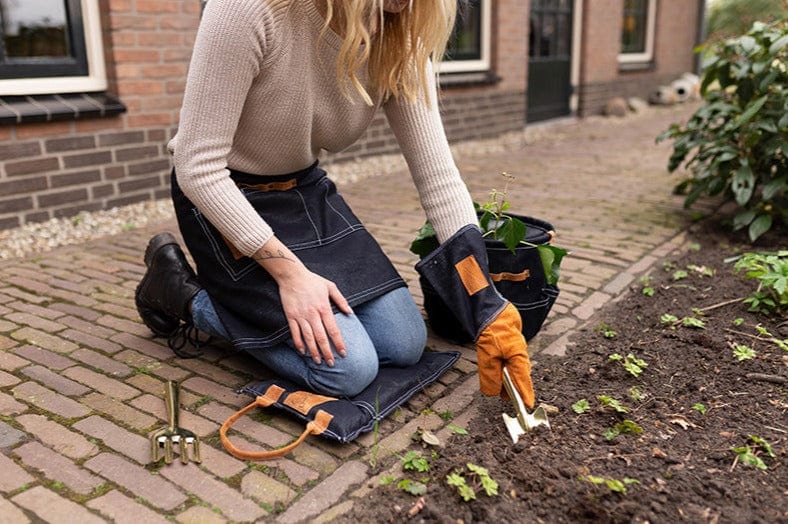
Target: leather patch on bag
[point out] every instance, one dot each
(471, 275)
(511, 277)
(304, 401)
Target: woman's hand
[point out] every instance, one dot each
(306, 300)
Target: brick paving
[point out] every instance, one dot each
(81, 380)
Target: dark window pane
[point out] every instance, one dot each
(466, 41)
(34, 28)
(633, 32)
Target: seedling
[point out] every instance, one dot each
(632, 364)
(738, 321)
(667, 318)
(476, 473)
(414, 461)
(610, 402)
(581, 406)
(700, 408)
(606, 330)
(742, 352)
(701, 271)
(457, 429)
(627, 427)
(614, 485)
(693, 322)
(647, 289)
(749, 455)
(771, 272)
(694, 246)
(635, 394)
(680, 274)
(412, 486)
(446, 415)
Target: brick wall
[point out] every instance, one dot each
(601, 76)
(61, 168)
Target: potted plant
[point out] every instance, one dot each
(524, 265)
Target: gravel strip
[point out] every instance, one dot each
(39, 237)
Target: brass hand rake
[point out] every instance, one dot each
(173, 434)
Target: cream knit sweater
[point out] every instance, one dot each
(262, 97)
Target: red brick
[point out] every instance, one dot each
(325, 494)
(19, 150)
(157, 6)
(9, 361)
(7, 379)
(9, 406)
(84, 339)
(9, 511)
(55, 381)
(159, 39)
(221, 393)
(139, 481)
(51, 507)
(120, 508)
(84, 321)
(104, 364)
(26, 167)
(13, 477)
(151, 119)
(46, 358)
(45, 129)
(44, 312)
(119, 411)
(101, 383)
(35, 322)
(115, 437)
(48, 400)
(146, 364)
(43, 340)
(57, 437)
(57, 468)
(232, 504)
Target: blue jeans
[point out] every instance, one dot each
(386, 331)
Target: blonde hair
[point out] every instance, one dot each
(395, 47)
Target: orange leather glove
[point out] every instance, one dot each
(501, 344)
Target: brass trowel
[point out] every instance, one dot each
(523, 421)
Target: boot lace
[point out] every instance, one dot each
(187, 334)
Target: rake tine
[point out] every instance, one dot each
(196, 451)
(168, 451)
(184, 452)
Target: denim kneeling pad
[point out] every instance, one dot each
(341, 419)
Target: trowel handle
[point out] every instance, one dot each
(172, 403)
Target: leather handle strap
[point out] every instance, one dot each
(314, 427)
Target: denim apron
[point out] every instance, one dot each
(308, 215)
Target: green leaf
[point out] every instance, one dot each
(425, 242)
(743, 184)
(752, 110)
(551, 257)
(511, 233)
(743, 219)
(457, 429)
(759, 226)
(778, 44)
(581, 406)
(411, 486)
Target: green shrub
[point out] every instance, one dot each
(735, 145)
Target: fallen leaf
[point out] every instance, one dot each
(726, 434)
(683, 422)
(429, 437)
(656, 452)
(550, 409)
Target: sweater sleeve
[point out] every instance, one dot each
(422, 140)
(230, 48)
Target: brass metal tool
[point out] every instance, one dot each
(173, 434)
(522, 421)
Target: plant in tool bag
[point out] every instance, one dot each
(524, 264)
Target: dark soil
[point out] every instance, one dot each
(683, 461)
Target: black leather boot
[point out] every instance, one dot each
(166, 290)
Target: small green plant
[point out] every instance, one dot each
(631, 363)
(606, 330)
(414, 461)
(667, 318)
(734, 145)
(446, 415)
(386, 480)
(480, 478)
(749, 455)
(742, 352)
(626, 427)
(635, 394)
(701, 271)
(737, 321)
(457, 429)
(693, 322)
(770, 270)
(680, 274)
(782, 344)
(647, 289)
(614, 485)
(700, 408)
(581, 406)
(413, 487)
(611, 403)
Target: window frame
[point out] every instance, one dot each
(479, 65)
(648, 54)
(95, 80)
